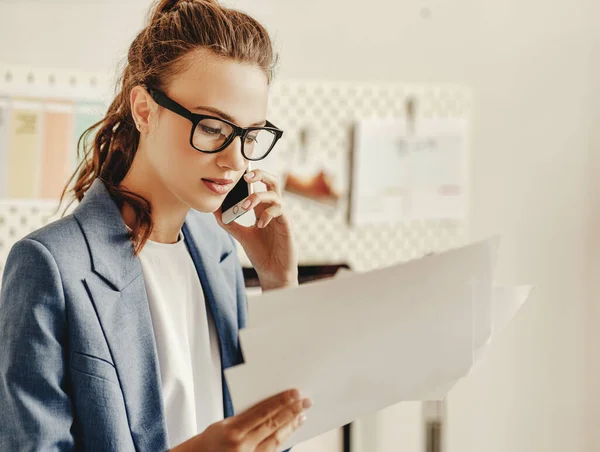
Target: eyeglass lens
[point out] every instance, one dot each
(211, 134)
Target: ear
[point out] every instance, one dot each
(142, 108)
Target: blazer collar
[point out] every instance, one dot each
(109, 243)
(110, 246)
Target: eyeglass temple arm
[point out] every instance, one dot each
(162, 99)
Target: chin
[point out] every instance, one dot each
(205, 205)
(203, 201)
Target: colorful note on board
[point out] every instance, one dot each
(86, 115)
(25, 133)
(56, 161)
(4, 143)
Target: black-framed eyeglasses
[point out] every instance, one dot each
(211, 134)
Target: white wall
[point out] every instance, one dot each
(530, 183)
(593, 274)
(530, 64)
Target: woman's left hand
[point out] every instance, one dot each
(269, 243)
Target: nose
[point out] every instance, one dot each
(231, 157)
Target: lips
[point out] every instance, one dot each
(218, 186)
(220, 181)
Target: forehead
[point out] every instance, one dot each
(207, 80)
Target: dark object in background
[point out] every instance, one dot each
(308, 273)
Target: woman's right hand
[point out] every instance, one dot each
(262, 428)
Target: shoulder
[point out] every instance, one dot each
(55, 230)
(62, 237)
(61, 242)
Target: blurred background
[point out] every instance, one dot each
(529, 71)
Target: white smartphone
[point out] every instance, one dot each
(232, 204)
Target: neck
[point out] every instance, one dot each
(168, 212)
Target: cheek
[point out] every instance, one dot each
(178, 162)
(176, 133)
(173, 150)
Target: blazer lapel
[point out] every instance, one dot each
(117, 290)
(205, 248)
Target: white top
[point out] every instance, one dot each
(186, 340)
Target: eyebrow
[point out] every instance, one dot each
(229, 118)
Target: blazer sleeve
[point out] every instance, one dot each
(35, 408)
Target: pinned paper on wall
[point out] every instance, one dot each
(4, 112)
(409, 171)
(56, 148)
(86, 115)
(438, 158)
(38, 144)
(380, 178)
(24, 148)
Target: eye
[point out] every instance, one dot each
(251, 139)
(210, 130)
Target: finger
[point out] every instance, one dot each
(271, 181)
(277, 422)
(279, 437)
(259, 201)
(263, 197)
(268, 215)
(259, 413)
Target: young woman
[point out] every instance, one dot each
(116, 322)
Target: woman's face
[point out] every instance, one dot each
(218, 87)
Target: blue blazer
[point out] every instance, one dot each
(78, 362)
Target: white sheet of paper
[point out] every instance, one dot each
(468, 263)
(363, 341)
(506, 301)
(360, 364)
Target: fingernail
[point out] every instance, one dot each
(294, 395)
(246, 204)
(261, 223)
(301, 420)
(306, 404)
(250, 175)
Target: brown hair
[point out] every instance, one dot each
(174, 29)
